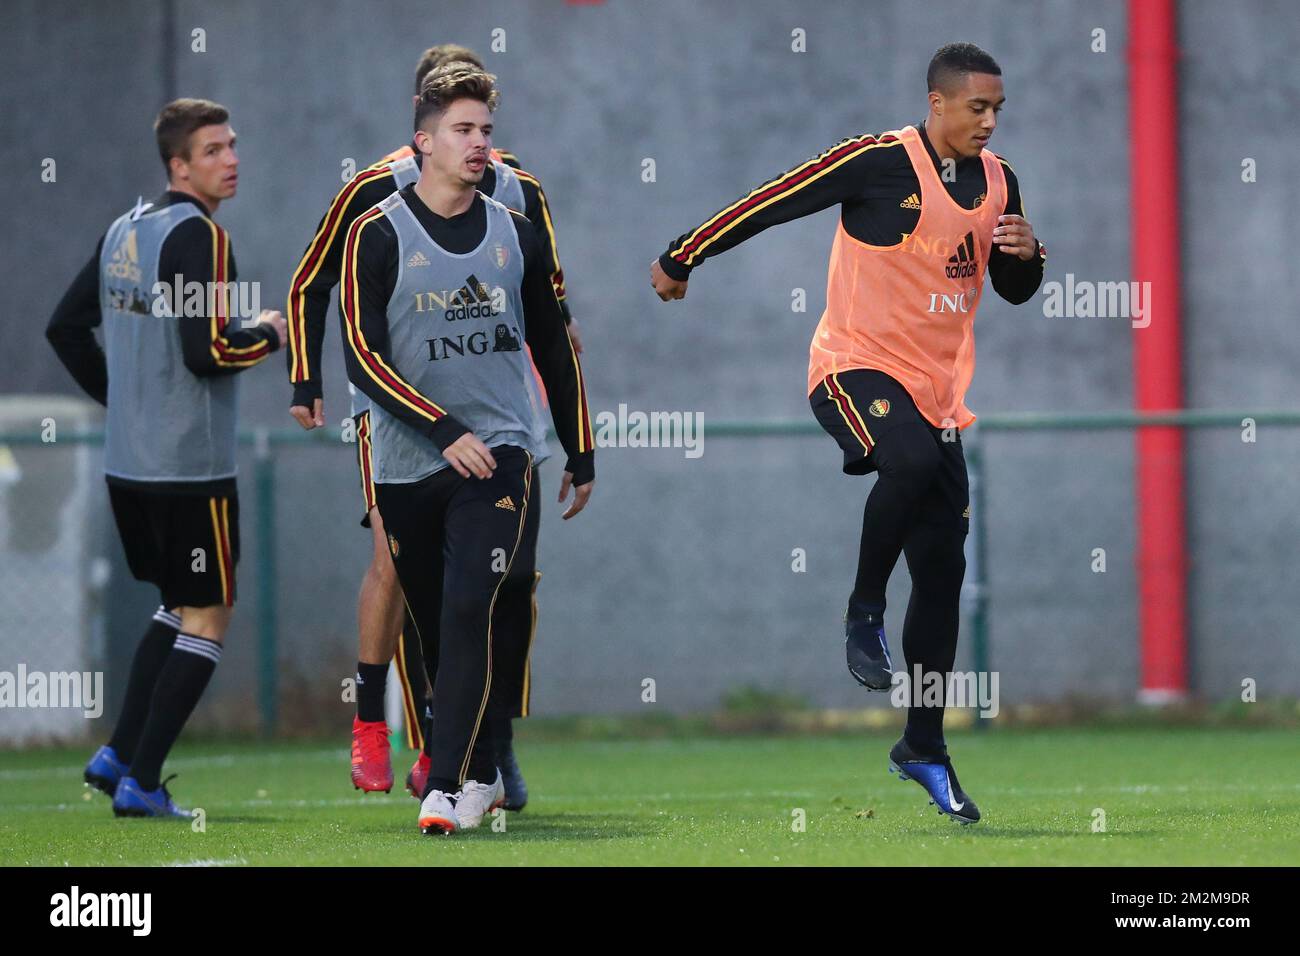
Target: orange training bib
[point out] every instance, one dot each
(908, 310)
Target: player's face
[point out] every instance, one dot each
(212, 171)
(458, 145)
(970, 113)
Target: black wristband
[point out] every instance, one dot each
(306, 393)
(674, 269)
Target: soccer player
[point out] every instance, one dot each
(924, 211)
(441, 289)
(380, 606)
(166, 375)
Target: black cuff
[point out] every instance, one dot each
(306, 393)
(445, 431)
(674, 269)
(582, 467)
(269, 334)
(1034, 263)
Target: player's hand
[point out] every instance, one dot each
(665, 285)
(309, 418)
(1015, 237)
(276, 321)
(575, 335)
(469, 456)
(580, 495)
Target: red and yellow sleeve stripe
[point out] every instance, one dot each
(299, 367)
(557, 277)
(224, 353)
(778, 189)
(585, 441)
(371, 361)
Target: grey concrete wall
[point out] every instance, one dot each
(1239, 77)
(680, 570)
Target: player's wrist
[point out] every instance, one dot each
(674, 269)
(582, 466)
(269, 334)
(445, 431)
(306, 392)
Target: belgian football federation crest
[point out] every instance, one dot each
(880, 407)
(501, 254)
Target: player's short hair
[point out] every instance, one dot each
(440, 55)
(453, 81)
(955, 60)
(177, 122)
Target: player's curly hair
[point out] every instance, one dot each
(454, 81)
(440, 55)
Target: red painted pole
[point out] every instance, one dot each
(1157, 348)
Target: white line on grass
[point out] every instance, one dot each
(182, 763)
(234, 861)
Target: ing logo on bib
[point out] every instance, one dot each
(879, 408)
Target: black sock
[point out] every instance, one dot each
(925, 735)
(181, 682)
(445, 784)
(503, 735)
(936, 559)
(371, 681)
(871, 614)
(483, 762)
(149, 657)
(426, 724)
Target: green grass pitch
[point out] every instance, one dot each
(1170, 797)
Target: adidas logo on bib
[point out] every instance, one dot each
(963, 263)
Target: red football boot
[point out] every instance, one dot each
(419, 775)
(372, 766)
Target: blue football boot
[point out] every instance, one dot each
(131, 801)
(938, 778)
(866, 649)
(104, 770)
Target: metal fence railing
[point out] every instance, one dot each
(267, 446)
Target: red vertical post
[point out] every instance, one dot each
(1157, 348)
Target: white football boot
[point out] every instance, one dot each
(476, 800)
(438, 814)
